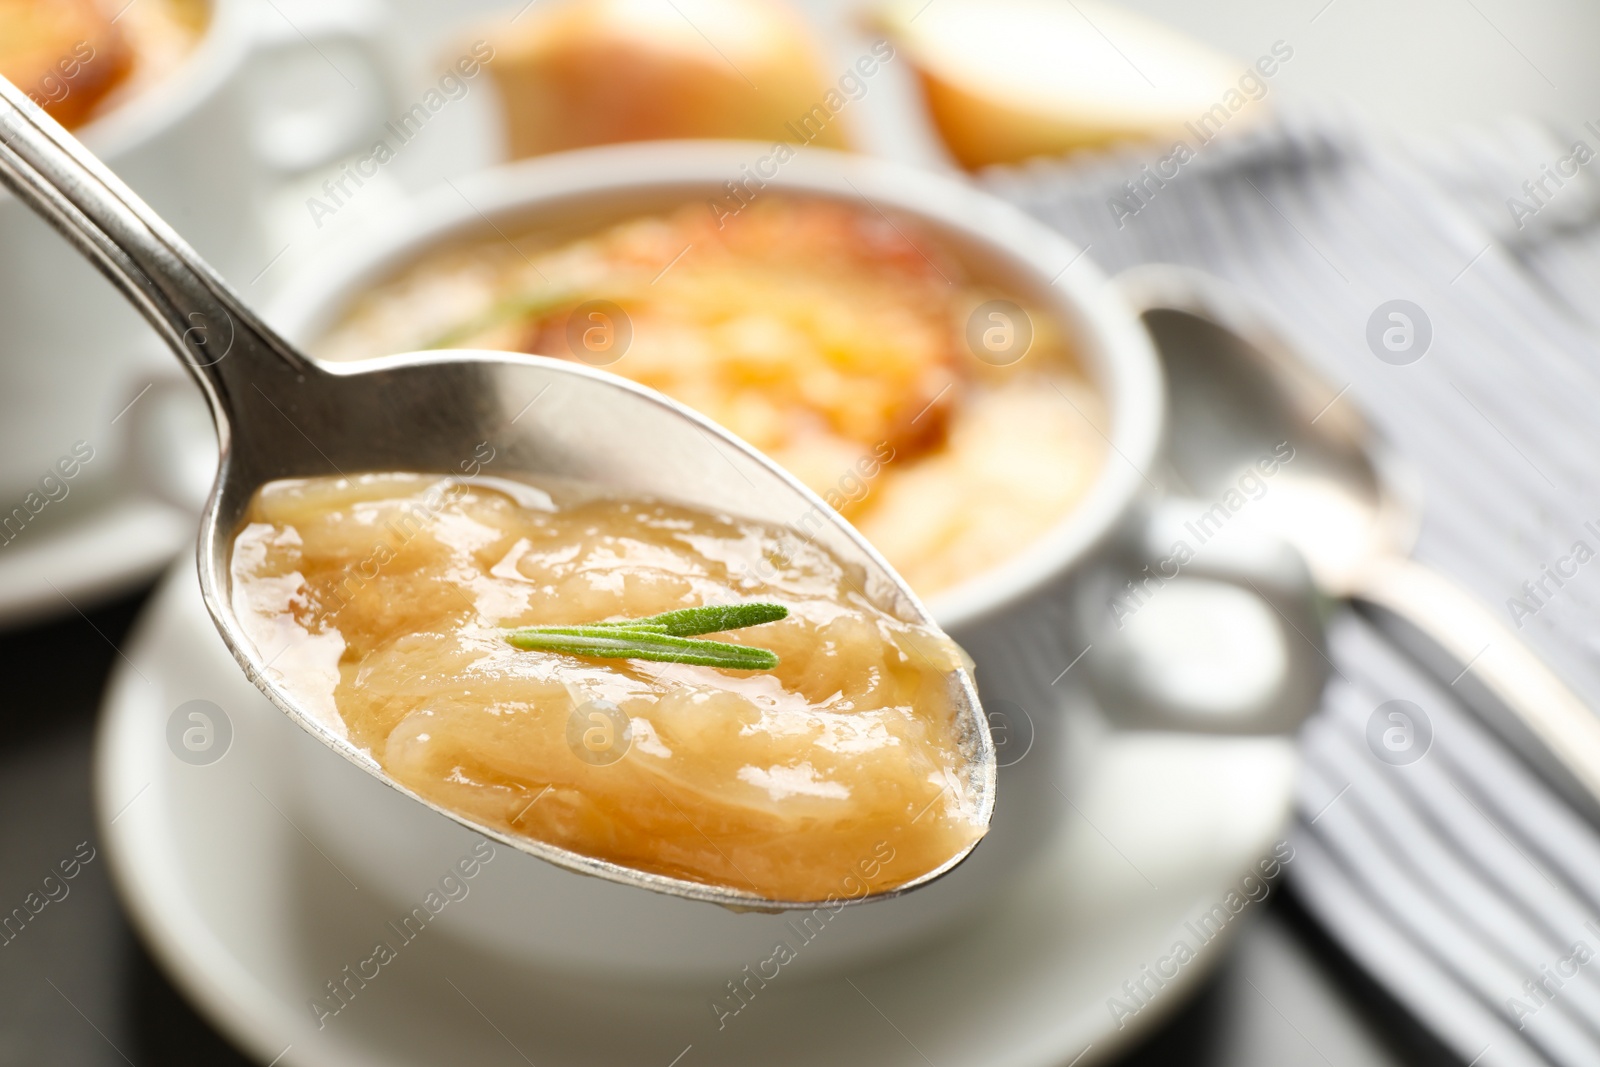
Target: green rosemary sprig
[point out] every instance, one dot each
(712, 619)
(665, 638)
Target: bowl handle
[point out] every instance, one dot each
(171, 445)
(293, 140)
(1205, 625)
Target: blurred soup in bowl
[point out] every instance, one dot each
(948, 421)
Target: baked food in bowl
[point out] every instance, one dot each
(927, 403)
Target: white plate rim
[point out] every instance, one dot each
(49, 573)
(147, 872)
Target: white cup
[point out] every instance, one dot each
(201, 146)
(1025, 622)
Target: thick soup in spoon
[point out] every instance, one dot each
(390, 606)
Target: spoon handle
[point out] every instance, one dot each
(201, 319)
(1491, 668)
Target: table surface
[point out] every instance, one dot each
(77, 988)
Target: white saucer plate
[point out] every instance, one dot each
(252, 918)
(119, 540)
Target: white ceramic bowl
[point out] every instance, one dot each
(1024, 622)
(195, 145)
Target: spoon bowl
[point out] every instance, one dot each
(281, 414)
(1239, 387)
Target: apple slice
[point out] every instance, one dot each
(1009, 79)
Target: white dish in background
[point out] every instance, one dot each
(204, 144)
(202, 152)
(121, 538)
(252, 918)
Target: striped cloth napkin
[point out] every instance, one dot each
(1460, 880)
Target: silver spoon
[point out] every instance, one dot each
(1238, 386)
(281, 414)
